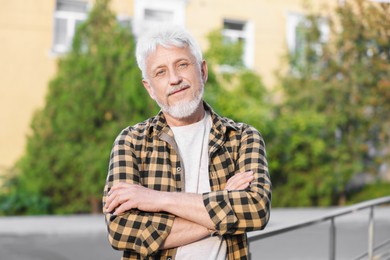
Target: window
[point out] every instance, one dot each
(296, 23)
(240, 31)
(152, 13)
(68, 14)
(125, 21)
(296, 43)
(158, 15)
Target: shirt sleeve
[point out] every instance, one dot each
(240, 211)
(137, 231)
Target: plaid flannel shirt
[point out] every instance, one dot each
(146, 154)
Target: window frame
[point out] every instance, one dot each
(247, 36)
(293, 22)
(176, 7)
(71, 18)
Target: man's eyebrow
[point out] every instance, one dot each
(158, 67)
(182, 59)
(174, 62)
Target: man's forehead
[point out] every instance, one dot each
(169, 54)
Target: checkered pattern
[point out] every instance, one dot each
(146, 154)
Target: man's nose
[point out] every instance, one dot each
(174, 77)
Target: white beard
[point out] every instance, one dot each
(183, 109)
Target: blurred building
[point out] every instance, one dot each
(34, 33)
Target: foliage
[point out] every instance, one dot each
(238, 94)
(224, 52)
(334, 119)
(96, 93)
(331, 123)
(371, 191)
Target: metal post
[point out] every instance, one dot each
(371, 234)
(332, 240)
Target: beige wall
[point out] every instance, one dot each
(27, 64)
(269, 18)
(25, 67)
(123, 7)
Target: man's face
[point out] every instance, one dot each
(175, 80)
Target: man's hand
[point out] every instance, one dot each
(239, 181)
(124, 196)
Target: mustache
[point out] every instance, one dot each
(178, 88)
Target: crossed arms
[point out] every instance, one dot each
(192, 220)
(145, 220)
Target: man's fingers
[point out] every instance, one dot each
(112, 203)
(244, 181)
(123, 207)
(115, 198)
(240, 175)
(239, 181)
(121, 197)
(118, 186)
(243, 186)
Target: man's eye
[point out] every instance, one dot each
(160, 73)
(183, 65)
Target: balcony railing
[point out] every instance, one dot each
(370, 204)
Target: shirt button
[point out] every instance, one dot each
(178, 169)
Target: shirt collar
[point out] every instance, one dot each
(220, 124)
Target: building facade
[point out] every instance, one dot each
(34, 33)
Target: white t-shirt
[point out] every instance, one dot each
(192, 141)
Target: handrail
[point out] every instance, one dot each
(383, 244)
(330, 217)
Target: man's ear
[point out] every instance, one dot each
(148, 88)
(204, 71)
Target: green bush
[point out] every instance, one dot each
(97, 91)
(333, 121)
(371, 191)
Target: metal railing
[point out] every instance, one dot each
(331, 217)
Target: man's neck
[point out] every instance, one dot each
(195, 117)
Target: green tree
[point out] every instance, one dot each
(233, 90)
(96, 93)
(334, 120)
(224, 52)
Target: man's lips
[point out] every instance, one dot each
(180, 89)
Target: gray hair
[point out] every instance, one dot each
(166, 37)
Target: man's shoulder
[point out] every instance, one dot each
(137, 131)
(236, 126)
